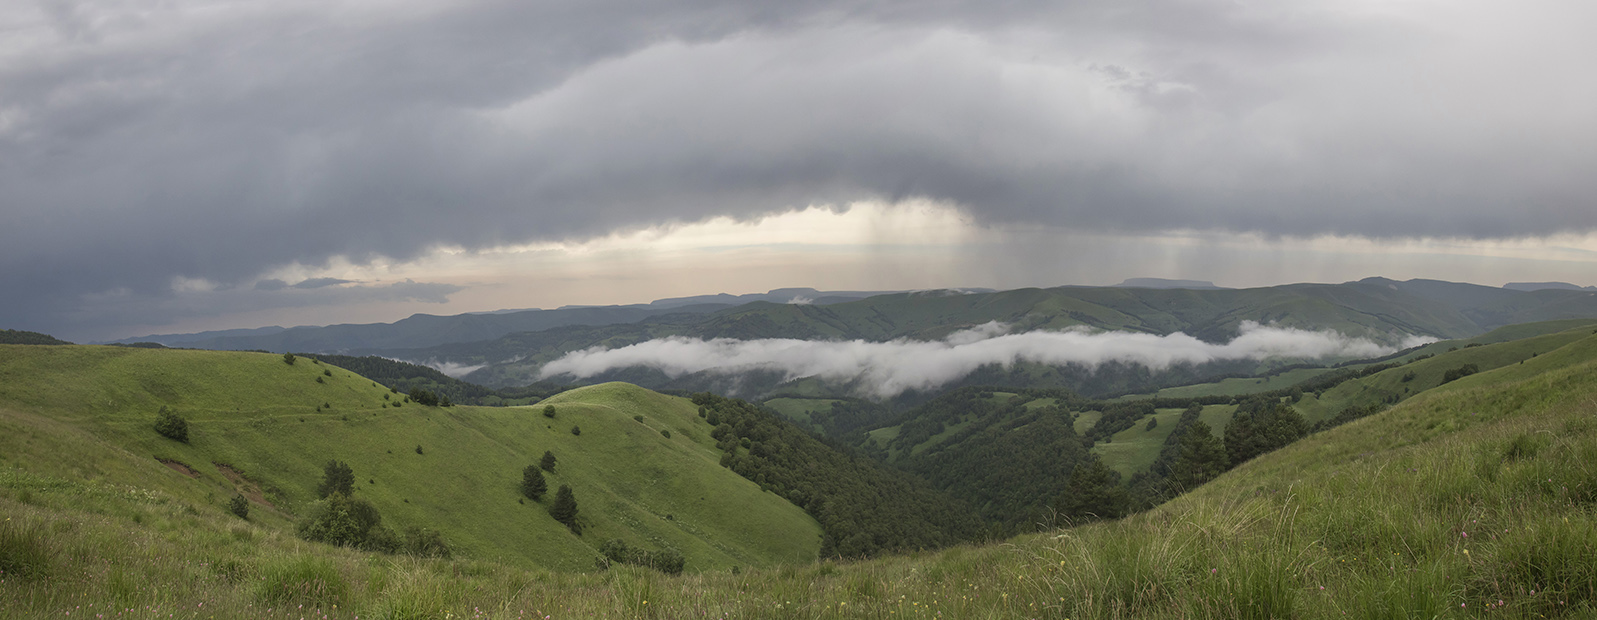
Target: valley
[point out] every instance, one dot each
(976, 501)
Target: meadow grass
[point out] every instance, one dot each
(258, 423)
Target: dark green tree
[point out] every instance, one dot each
(564, 509)
(424, 397)
(576, 430)
(340, 520)
(532, 483)
(548, 411)
(1094, 492)
(547, 463)
(239, 506)
(1261, 428)
(1200, 458)
(337, 478)
(171, 425)
(288, 358)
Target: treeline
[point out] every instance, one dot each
(930, 419)
(406, 377)
(15, 336)
(1023, 467)
(864, 507)
(1194, 454)
(850, 418)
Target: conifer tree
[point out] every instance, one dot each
(1094, 492)
(564, 508)
(532, 483)
(547, 463)
(1201, 458)
(337, 478)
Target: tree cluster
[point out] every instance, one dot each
(1260, 426)
(1454, 374)
(341, 520)
(863, 507)
(428, 398)
(15, 336)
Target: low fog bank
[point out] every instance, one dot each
(887, 369)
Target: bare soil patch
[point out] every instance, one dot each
(246, 488)
(179, 468)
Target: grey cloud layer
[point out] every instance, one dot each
(144, 141)
(886, 369)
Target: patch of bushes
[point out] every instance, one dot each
(171, 425)
(239, 506)
(347, 522)
(1459, 373)
(288, 358)
(616, 551)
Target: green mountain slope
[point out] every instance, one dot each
(85, 413)
(1470, 500)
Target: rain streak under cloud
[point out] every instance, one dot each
(886, 369)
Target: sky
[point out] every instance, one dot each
(180, 165)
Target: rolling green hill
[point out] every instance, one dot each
(257, 423)
(1469, 500)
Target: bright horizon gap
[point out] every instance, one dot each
(910, 245)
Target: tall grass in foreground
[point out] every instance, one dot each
(1469, 503)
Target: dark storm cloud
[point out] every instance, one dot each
(142, 142)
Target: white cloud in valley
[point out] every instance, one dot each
(885, 369)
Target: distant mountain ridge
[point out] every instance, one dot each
(1379, 309)
(426, 330)
(509, 349)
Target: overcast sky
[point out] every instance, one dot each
(175, 165)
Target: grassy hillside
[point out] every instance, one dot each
(1240, 386)
(1471, 500)
(85, 413)
(1395, 384)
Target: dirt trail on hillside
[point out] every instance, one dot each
(246, 488)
